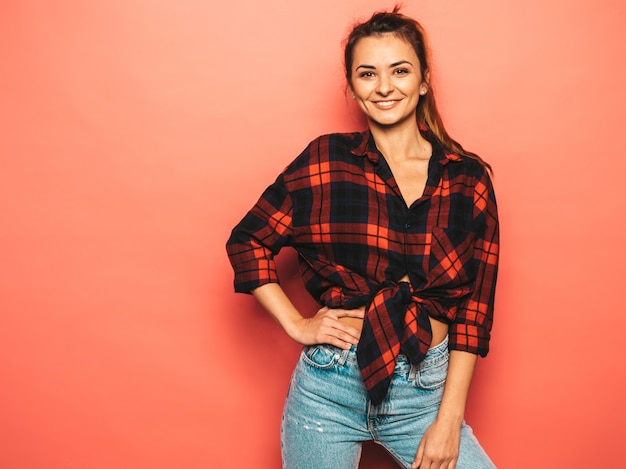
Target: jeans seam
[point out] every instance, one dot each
(396, 456)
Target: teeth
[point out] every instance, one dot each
(385, 103)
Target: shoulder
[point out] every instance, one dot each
(327, 148)
(468, 169)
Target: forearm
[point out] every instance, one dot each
(460, 372)
(440, 443)
(273, 298)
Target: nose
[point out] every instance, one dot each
(385, 84)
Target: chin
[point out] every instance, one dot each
(386, 123)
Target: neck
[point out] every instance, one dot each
(401, 141)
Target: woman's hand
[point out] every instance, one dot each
(326, 328)
(323, 328)
(439, 448)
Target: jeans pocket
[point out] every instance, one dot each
(320, 356)
(432, 375)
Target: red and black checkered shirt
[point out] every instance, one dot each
(339, 206)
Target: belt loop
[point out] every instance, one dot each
(413, 372)
(343, 357)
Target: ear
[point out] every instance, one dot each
(425, 83)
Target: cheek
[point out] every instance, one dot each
(361, 104)
(363, 87)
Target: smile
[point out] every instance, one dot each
(386, 104)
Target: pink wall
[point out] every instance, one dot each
(134, 135)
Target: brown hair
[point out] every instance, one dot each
(412, 32)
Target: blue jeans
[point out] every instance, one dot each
(328, 415)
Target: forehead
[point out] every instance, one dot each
(383, 49)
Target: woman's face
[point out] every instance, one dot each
(386, 79)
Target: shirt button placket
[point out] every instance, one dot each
(407, 233)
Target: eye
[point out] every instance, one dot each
(401, 71)
(366, 74)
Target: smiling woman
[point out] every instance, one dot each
(375, 217)
(387, 81)
(135, 134)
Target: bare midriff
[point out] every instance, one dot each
(439, 329)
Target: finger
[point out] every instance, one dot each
(347, 333)
(344, 338)
(418, 457)
(339, 340)
(351, 313)
(343, 345)
(335, 333)
(322, 310)
(452, 464)
(331, 321)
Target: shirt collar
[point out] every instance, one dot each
(364, 145)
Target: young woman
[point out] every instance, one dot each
(396, 230)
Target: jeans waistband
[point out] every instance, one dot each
(434, 354)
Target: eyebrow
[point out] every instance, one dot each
(395, 64)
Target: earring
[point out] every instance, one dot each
(353, 96)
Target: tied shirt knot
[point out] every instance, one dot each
(395, 323)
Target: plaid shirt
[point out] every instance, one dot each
(339, 206)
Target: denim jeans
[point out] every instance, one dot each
(328, 415)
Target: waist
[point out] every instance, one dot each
(439, 329)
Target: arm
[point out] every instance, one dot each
(251, 248)
(440, 444)
(323, 328)
(469, 337)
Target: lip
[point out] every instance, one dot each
(386, 104)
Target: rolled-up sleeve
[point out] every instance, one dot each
(259, 236)
(471, 330)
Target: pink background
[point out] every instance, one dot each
(134, 134)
